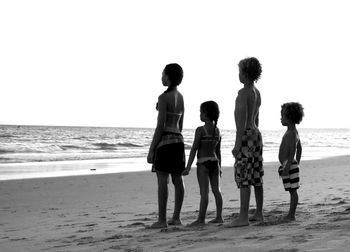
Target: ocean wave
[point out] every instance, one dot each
(6, 135)
(106, 146)
(80, 138)
(111, 146)
(129, 145)
(4, 151)
(74, 147)
(49, 157)
(30, 149)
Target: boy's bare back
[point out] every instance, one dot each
(289, 144)
(250, 99)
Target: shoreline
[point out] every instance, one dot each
(110, 212)
(68, 168)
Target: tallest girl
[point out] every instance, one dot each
(167, 152)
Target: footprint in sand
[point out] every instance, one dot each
(116, 237)
(135, 224)
(301, 238)
(259, 238)
(284, 250)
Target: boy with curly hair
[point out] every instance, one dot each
(290, 153)
(248, 149)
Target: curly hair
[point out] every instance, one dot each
(175, 73)
(294, 111)
(251, 68)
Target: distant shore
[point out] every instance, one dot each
(110, 212)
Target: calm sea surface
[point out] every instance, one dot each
(43, 150)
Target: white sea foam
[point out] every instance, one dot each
(23, 148)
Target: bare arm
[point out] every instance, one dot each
(292, 149)
(257, 120)
(299, 151)
(218, 154)
(218, 150)
(159, 129)
(193, 152)
(182, 120)
(258, 106)
(241, 120)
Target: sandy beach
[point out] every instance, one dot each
(111, 212)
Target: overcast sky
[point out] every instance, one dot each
(99, 63)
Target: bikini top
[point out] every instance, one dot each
(172, 118)
(214, 139)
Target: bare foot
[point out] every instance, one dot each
(217, 220)
(157, 225)
(255, 217)
(176, 222)
(196, 223)
(238, 223)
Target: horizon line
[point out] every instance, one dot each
(147, 127)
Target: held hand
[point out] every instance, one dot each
(186, 171)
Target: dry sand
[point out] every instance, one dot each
(110, 212)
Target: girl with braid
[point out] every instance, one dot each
(207, 143)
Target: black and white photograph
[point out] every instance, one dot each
(141, 126)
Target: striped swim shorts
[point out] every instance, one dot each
(291, 181)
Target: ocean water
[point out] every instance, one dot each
(50, 150)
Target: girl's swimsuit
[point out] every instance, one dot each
(210, 142)
(169, 155)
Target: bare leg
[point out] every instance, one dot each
(214, 181)
(242, 219)
(162, 200)
(203, 181)
(294, 198)
(259, 198)
(179, 198)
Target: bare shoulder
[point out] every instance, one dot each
(199, 131)
(246, 93)
(291, 136)
(242, 95)
(179, 94)
(243, 92)
(181, 98)
(162, 97)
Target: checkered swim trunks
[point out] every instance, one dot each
(249, 162)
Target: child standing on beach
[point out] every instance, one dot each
(207, 142)
(290, 153)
